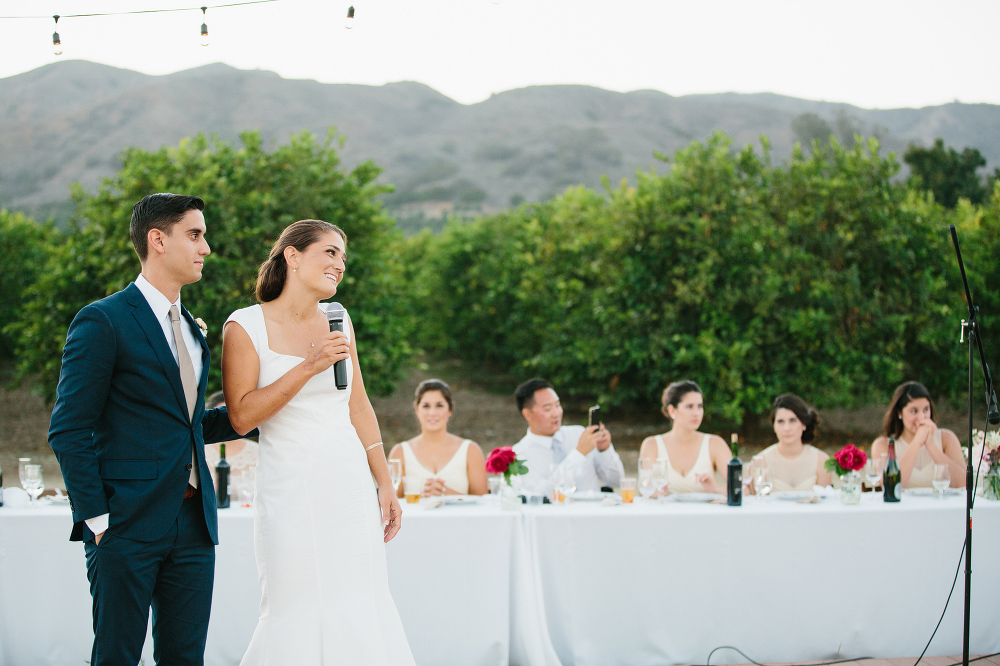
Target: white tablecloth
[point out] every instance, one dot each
(638, 585)
(458, 576)
(664, 584)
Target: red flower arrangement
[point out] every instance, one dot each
(848, 459)
(503, 460)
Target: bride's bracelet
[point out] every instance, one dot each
(369, 448)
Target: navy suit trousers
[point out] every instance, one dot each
(173, 574)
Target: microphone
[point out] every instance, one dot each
(335, 315)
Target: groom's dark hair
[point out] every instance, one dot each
(158, 211)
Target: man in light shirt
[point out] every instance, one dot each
(551, 449)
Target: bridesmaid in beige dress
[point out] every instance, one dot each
(696, 461)
(794, 463)
(447, 464)
(920, 444)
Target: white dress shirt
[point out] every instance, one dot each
(160, 306)
(596, 469)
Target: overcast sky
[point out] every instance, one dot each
(871, 53)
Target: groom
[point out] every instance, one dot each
(129, 429)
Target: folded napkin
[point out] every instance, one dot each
(825, 491)
(432, 503)
(15, 498)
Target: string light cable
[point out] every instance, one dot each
(148, 11)
(954, 583)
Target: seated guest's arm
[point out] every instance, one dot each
(607, 462)
(950, 454)
(475, 465)
(824, 477)
(721, 455)
(397, 454)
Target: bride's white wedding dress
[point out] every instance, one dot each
(317, 530)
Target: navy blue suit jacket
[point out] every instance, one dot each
(120, 425)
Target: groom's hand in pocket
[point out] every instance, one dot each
(331, 348)
(97, 538)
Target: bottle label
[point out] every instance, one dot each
(898, 491)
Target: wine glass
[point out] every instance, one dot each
(747, 479)
(941, 480)
(646, 484)
(33, 482)
(873, 472)
(762, 477)
(568, 481)
(660, 477)
(395, 472)
(21, 464)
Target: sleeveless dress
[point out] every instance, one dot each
(455, 473)
(798, 474)
(317, 530)
(923, 467)
(686, 483)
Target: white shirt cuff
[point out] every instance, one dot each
(98, 524)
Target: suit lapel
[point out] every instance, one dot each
(154, 334)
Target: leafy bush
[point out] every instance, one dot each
(24, 249)
(250, 195)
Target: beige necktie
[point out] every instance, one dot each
(188, 380)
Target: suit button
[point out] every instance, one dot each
(188, 467)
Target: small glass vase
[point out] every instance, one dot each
(510, 499)
(990, 485)
(850, 488)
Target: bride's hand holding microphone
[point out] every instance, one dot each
(329, 349)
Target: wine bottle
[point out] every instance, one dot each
(892, 478)
(734, 478)
(222, 479)
(1, 486)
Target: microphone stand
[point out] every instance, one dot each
(975, 341)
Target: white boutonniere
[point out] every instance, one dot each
(202, 325)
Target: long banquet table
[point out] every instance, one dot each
(586, 584)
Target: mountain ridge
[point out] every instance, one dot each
(69, 121)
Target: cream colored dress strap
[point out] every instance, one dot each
(455, 472)
(923, 468)
(793, 474)
(686, 483)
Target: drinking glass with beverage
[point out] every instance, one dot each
(942, 479)
(873, 472)
(395, 472)
(761, 477)
(412, 487)
(645, 482)
(628, 489)
(660, 478)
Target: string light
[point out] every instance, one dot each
(204, 28)
(349, 22)
(56, 42)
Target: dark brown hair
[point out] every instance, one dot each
(158, 211)
(433, 385)
(806, 414)
(904, 395)
(272, 273)
(675, 392)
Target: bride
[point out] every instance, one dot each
(319, 524)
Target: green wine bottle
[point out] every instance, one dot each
(892, 478)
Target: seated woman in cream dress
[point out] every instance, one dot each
(446, 464)
(793, 462)
(241, 454)
(696, 462)
(920, 444)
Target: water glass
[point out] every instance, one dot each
(761, 476)
(21, 464)
(495, 484)
(646, 485)
(33, 482)
(395, 472)
(660, 478)
(873, 472)
(941, 480)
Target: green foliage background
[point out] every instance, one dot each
(251, 195)
(825, 275)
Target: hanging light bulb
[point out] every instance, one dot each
(204, 28)
(349, 22)
(56, 42)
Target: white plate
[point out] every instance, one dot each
(929, 492)
(589, 496)
(793, 495)
(460, 499)
(698, 497)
